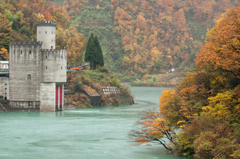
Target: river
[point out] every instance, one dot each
(94, 133)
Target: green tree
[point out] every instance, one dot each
(91, 52)
(5, 29)
(99, 57)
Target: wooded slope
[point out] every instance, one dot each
(137, 36)
(147, 36)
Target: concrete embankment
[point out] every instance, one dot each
(1, 108)
(4, 106)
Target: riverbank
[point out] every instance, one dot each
(94, 88)
(161, 80)
(155, 84)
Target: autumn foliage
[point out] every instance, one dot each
(90, 82)
(17, 23)
(205, 106)
(142, 36)
(158, 35)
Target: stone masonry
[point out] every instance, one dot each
(37, 72)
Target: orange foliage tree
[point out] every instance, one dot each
(153, 129)
(163, 26)
(206, 104)
(222, 48)
(5, 30)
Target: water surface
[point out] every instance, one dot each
(95, 133)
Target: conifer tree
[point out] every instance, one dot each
(5, 29)
(86, 58)
(94, 57)
(99, 56)
(91, 52)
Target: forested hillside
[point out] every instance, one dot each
(17, 23)
(137, 36)
(201, 116)
(146, 36)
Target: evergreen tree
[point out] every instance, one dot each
(99, 56)
(91, 52)
(86, 58)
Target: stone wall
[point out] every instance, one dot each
(54, 65)
(46, 33)
(4, 87)
(24, 71)
(110, 90)
(35, 68)
(47, 97)
(25, 105)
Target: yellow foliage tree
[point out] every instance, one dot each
(4, 54)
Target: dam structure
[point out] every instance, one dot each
(37, 72)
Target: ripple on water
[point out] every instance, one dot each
(94, 133)
(49, 143)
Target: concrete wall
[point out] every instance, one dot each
(46, 34)
(35, 69)
(4, 87)
(47, 97)
(24, 61)
(54, 66)
(25, 105)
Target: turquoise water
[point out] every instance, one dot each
(95, 133)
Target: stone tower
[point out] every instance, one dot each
(46, 34)
(37, 72)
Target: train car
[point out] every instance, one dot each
(85, 67)
(81, 67)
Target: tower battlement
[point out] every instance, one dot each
(53, 50)
(22, 43)
(46, 34)
(46, 23)
(52, 54)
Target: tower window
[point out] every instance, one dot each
(46, 67)
(52, 32)
(28, 76)
(61, 57)
(39, 32)
(51, 47)
(45, 32)
(21, 51)
(30, 51)
(61, 67)
(46, 57)
(13, 51)
(51, 40)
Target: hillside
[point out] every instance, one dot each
(90, 82)
(17, 23)
(147, 36)
(200, 118)
(137, 37)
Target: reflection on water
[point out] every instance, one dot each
(81, 133)
(59, 114)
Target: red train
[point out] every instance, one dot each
(79, 67)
